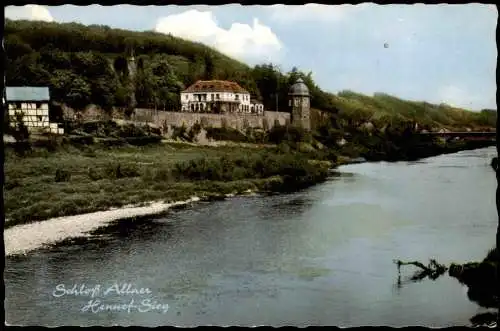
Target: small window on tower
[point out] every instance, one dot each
(296, 102)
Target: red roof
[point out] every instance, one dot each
(215, 86)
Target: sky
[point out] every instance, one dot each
(435, 53)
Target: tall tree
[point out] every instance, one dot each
(209, 66)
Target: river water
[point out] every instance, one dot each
(322, 256)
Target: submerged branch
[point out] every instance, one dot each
(480, 277)
(433, 270)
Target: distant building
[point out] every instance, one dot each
(33, 103)
(299, 103)
(218, 96)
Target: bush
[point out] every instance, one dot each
(62, 175)
(296, 170)
(162, 175)
(280, 133)
(94, 174)
(228, 134)
(179, 132)
(11, 184)
(116, 171)
(194, 131)
(89, 152)
(81, 140)
(50, 144)
(131, 130)
(284, 148)
(21, 135)
(143, 141)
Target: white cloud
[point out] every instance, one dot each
(28, 12)
(312, 12)
(242, 41)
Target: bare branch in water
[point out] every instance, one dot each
(433, 270)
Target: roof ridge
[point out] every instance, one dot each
(216, 85)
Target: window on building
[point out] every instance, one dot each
(18, 105)
(212, 96)
(187, 97)
(217, 96)
(38, 105)
(237, 96)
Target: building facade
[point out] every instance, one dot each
(33, 104)
(299, 104)
(219, 97)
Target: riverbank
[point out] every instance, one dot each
(72, 181)
(79, 179)
(405, 147)
(27, 237)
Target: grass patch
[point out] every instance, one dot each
(69, 182)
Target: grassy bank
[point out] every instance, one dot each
(74, 180)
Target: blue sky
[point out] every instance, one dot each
(437, 53)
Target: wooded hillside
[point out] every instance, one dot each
(88, 65)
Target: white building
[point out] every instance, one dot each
(219, 96)
(33, 104)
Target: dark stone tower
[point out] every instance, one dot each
(299, 102)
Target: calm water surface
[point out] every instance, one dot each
(322, 256)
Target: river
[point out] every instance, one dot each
(322, 256)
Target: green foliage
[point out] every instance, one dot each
(118, 170)
(226, 134)
(180, 132)
(293, 134)
(62, 175)
(21, 134)
(296, 170)
(88, 65)
(194, 131)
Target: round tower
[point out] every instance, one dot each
(299, 102)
